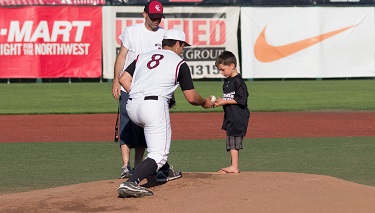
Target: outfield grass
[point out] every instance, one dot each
(28, 166)
(313, 95)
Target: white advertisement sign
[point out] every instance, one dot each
(307, 42)
(210, 31)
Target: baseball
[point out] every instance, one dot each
(213, 99)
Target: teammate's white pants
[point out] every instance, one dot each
(153, 116)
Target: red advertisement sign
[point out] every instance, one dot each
(50, 42)
(51, 2)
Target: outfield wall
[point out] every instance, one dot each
(274, 42)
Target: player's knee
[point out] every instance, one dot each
(160, 159)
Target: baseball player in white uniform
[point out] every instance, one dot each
(136, 39)
(150, 81)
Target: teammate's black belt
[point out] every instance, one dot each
(151, 97)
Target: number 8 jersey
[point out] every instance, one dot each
(158, 73)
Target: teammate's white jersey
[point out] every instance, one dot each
(156, 74)
(138, 39)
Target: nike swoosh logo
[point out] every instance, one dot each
(265, 52)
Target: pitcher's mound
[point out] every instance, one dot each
(205, 192)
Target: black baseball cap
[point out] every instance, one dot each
(154, 9)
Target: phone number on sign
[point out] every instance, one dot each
(202, 71)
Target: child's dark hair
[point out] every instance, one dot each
(226, 58)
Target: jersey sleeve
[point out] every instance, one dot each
(125, 39)
(130, 69)
(184, 78)
(241, 92)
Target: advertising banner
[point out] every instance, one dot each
(344, 2)
(313, 42)
(50, 42)
(249, 2)
(51, 2)
(209, 30)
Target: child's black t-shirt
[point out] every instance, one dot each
(236, 116)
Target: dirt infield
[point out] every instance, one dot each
(186, 126)
(198, 192)
(205, 192)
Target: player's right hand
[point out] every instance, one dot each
(116, 90)
(208, 103)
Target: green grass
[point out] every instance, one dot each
(312, 95)
(349, 158)
(28, 166)
(298, 95)
(56, 98)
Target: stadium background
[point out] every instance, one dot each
(211, 26)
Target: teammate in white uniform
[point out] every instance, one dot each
(141, 38)
(136, 39)
(151, 80)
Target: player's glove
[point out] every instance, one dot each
(172, 102)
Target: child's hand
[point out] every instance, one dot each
(219, 102)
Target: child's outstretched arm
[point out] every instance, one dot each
(222, 102)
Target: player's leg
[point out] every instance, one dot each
(125, 151)
(139, 153)
(124, 146)
(143, 170)
(157, 130)
(131, 186)
(154, 117)
(140, 149)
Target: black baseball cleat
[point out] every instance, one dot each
(168, 175)
(130, 189)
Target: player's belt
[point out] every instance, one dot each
(151, 97)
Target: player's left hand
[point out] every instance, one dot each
(116, 90)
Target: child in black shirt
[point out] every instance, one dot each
(234, 102)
